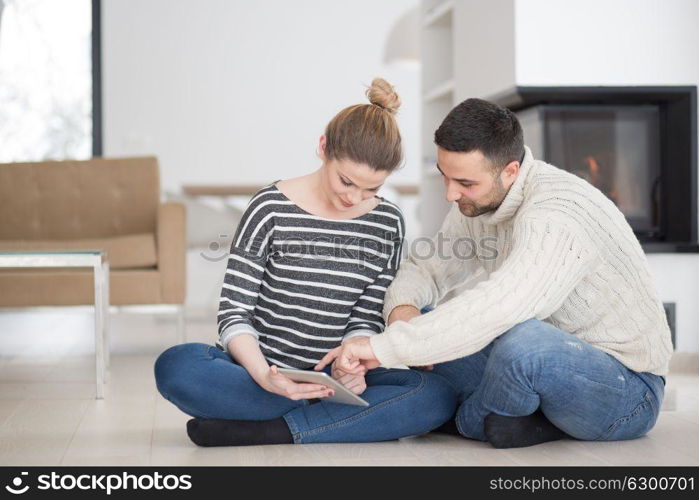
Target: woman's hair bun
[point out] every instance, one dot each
(382, 94)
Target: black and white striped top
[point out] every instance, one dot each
(301, 283)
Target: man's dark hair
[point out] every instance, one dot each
(480, 125)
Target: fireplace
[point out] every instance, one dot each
(638, 145)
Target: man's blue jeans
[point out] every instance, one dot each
(203, 381)
(583, 391)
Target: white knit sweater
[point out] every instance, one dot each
(565, 255)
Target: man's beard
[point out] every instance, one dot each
(495, 198)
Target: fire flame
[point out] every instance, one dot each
(594, 168)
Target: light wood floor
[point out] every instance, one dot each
(48, 414)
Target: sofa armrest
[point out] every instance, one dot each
(172, 252)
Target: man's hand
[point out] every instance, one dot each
(354, 358)
(355, 383)
(403, 313)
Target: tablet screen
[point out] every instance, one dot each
(342, 393)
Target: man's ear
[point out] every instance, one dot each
(511, 171)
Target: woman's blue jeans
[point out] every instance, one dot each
(582, 390)
(203, 381)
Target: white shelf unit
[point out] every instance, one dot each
(437, 45)
(437, 13)
(437, 100)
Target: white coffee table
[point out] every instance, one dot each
(98, 261)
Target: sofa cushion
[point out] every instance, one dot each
(130, 251)
(68, 287)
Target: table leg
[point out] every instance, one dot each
(99, 329)
(107, 319)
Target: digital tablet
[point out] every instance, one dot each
(342, 393)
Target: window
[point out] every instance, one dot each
(49, 80)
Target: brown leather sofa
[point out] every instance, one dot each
(111, 204)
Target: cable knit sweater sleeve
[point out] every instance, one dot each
(546, 263)
(427, 275)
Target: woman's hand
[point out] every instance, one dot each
(355, 383)
(275, 382)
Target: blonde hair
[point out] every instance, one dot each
(368, 133)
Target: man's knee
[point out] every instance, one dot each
(530, 334)
(517, 340)
(529, 345)
(527, 330)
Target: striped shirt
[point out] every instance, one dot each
(301, 283)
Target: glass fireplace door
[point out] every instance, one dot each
(614, 147)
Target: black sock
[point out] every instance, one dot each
(518, 432)
(448, 427)
(217, 432)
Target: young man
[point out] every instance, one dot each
(563, 335)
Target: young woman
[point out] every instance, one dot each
(307, 271)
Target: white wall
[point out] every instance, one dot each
(234, 91)
(607, 42)
(484, 45)
(620, 42)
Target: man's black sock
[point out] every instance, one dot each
(217, 432)
(518, 432)
(448, 427)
